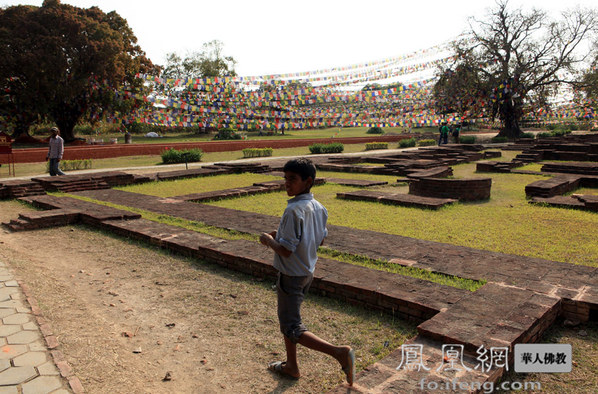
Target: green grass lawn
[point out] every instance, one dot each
(506, 223)
(330, 132)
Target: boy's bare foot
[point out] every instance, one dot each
(347, 361)
(282, 368)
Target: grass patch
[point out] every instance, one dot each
(506, 223)
(380, 265)
(383, 265)
(584, 374)
(199, 227)
(181, 187)
(531, 167)
(586, 191)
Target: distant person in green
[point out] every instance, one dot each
(444, 132)
(456, 132)
(301, 231)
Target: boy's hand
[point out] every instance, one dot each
(265, 238)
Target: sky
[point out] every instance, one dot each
(277, 36)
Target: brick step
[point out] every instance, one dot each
(68, 188)
(522, 319)
(436, 172)
(356, 182)
(552, 187)
(406, 200)
(17, 225)
(585, 168)
(580, 202)
(390, 375)
(45, 219)
(227, 193)
(193, 173)
(490, 154)
(256, 188)
(20, 188)
(529, 156)
(496, 166)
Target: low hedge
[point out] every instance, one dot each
(257, 152)
(544, 135)
(467, 139)
(376, 145)
(527, 135)
(427, 142)
(173, 156)
(407, 143)
(72, 165)
(336, 147)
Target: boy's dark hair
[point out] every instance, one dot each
(302, 166)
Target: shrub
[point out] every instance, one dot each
(142, 128)
(85, 129)
(544, 135)
(257, 152)
(326, 148)
(497, 140)
(527, 135)
(375, 130)
(40, 129)
(467, 139)
(376, 145)
(407, 143)
(72, 165)
(173, 156)
(227, 134)
(426, 142)
(560, 132)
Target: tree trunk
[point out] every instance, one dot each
(21, 131)
(509, 113)
(67, 129)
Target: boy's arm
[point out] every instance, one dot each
(268, 240)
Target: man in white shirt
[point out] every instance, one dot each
(55, 151)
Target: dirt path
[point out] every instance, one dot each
(127, 314)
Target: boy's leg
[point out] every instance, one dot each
(291, 367)
(290, 292)
(312, 341)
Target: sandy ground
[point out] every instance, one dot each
(127, 314)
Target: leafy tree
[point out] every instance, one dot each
(588, 85)
(65, 63)
(514, 58)
(459, 91)
(205, 64)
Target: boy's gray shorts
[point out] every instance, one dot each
(291, 291)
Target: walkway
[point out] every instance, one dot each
(28, 356)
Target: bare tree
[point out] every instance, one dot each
(516, 57)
